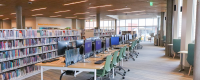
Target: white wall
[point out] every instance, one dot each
(29, 22)
(53, 22)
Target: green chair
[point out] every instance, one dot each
(190, 57)
(176, 46)
(115, 62)
(131, 51)
(106, 70)
(139, 46)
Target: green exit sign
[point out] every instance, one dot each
(151, 3)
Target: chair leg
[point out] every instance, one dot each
(189, 70)
(174, 55)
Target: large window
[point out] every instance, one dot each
(90, 24)
(122, 23)
(149, 22)
(142, 22)
(128, 22)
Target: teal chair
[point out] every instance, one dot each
(176, 46)
(106, 69)
(190, 57)
(120, 58)
(164, 38)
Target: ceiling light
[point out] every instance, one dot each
(76, 2)
(13, 13)
(1, 15)
(100, 6)
(31, 0)
(39, 9)
(119, 9)
(81, 13)
(5, 18)
(81, 18)
(2, 4)
(62, 11)
(70, 17)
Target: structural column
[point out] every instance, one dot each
(1, 24)
(98, 20)
(19, 17)
(162, 28)
(115, 26)
(187, 25)
(177, 12)
(23, 22)
(74, 23)
(196, 70)
(169, 25)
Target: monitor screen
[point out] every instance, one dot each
(107, 43)
(79, 43)
(88, 46)
(98, 44)
(114, 40)
(62, 46)
(94, 38)
(130, 37)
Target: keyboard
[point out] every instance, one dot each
(99, 62)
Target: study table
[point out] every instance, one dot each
(91, 67)
(182, 52)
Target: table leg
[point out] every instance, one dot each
(181, 63)
(113, 73)
(61, 71)
(41, 73)
(95, 74)
(75, 73)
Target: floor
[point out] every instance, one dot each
(151, 64)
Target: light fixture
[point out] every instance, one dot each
(70, 17)
(2, 4)
(1, 15)
(81, 18)
(12, 13)
(75, 2)
(100, 6)
(37, 15)
(135, 11)
(62, 11)
(81, 13)
(39, 9)
(119, 9)
(55, 16)
(31, 0)
(5, 18)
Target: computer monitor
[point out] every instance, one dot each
(62, 46)
(130, 36)
(107, 42)
(79, 43)
(114, 40)
(98, 44)
(87, 46)
(94, 38)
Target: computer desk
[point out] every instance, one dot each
(121, 46)
(91, 67)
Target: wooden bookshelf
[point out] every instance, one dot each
(20, 49)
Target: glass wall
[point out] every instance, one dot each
(144, 27)
(104, 24)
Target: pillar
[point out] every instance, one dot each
(162, 28)
(19, 17)
(23, 22)
(82, 23)
(74, 23)
(196, 71)
(1, 24)
(187, 25)
(169, 25)
(115, 26)
(98, 20)
(176, 19)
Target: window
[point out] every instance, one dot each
(141, 22)
(101, 24)
(149, 22)
(122, 23)
(155, 22)
(134, 22)
(128, 22)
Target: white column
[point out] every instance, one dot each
(187, 23)
(176, 19)
(197, 46)
(165, 23)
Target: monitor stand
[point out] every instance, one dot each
(94, 55)
(107, 51)
(83, 61)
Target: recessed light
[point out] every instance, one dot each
(81, 13)
(39, 9)
(62, 11)
(2, 4)
(1, 15)
(100, 6)
(70, 17)
(31, 0)
(75, 2)
(13, 13)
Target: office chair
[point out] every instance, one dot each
(105, 71)
(190, 57)
(139, 46)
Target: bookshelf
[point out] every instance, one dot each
(20, 49)
(97, 33)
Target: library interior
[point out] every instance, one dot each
(99, 40)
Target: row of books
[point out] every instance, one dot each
(103, 34)
(14, 54)
(12, 64)
(19, 72)
(27, 33)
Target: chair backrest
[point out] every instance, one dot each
(120, 57)
(114, 60)
(107, 65)
(124, 51)
(176, 45)
(190, 57)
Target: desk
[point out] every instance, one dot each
(182, 52)
(121, 46)
(91, 67)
